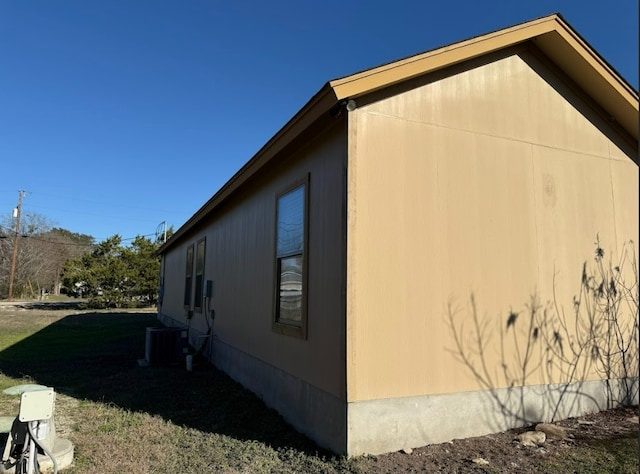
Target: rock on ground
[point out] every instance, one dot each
(554, 432)
(532, 438)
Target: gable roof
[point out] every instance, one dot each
(551, 34)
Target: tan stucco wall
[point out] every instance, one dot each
(240, 261)
(488, 183)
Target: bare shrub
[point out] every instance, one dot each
(596, 338)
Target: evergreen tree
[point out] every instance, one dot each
(113, 275)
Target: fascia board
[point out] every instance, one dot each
(592, 74)
(377, 78)
(551, 34)
(319, 105)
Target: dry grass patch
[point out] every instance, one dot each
(124, 418)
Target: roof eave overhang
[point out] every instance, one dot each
(551, 34)
(313, 110)
(593, 75)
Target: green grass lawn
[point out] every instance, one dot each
(123, 418)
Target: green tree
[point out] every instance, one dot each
(143, 269)
(113, 275)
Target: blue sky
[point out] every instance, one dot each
(117, 115)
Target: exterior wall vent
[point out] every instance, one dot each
(165, 345)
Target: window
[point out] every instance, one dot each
(188, 277)
(291, 241)
(199, 274)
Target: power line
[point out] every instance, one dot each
(37, 205)
(14, 257)
(41, 239)
(57, 242)
(110, 204)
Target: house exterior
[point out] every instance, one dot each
(340, 259)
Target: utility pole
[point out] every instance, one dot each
(14, 258)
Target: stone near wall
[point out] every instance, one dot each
(554, 432)
(532, 438)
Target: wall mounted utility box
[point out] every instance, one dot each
(37, 405)
(166, 345)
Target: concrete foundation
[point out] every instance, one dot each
(314, 412)
(388, 425)
(319, 415)
(382, 426)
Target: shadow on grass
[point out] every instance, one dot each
(94, 356)
(598, 456)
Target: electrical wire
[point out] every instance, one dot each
(44, 449)
(92, 201)
(208, 313)
(71, 210)
(40, 239)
